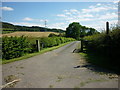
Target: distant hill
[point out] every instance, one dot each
(8, 28)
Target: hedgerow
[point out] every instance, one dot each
(13, 47)
(107, 45)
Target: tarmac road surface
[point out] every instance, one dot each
(60, 68)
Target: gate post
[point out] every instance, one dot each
(107, 27)
(81, 45)
(38, 45)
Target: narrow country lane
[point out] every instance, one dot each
(57, 69)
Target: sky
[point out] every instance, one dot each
(60, 14)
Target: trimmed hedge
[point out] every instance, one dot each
(13, 47)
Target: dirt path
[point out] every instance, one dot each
(58, 69)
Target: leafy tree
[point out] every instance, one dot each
(73, 30)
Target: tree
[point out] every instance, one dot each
(73, 30)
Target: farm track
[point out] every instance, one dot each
(60, 68)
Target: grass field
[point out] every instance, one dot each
(30, 34)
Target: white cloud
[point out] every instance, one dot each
(74, 10)
(74, 15)
(93, 16)
(26, 24)
(94, 9)
(7, 8)
(99, 4)
(88, 15)
(108, 16)
(110, 22)
(60, 25)
(99, 7)
(61, 15)
(55, 25)
(36, 20)
(27, 19)
(116, 1)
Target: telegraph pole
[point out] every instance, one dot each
(45, 25)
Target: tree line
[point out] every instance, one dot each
(77, 31)
(7, 27)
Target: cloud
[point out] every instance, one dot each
(116, 1)
(35, 20)
(60, 25)
(108, 16)
(7, 8)
(98, 4)
(93, 16)
(55, 25)
(26, 24)
(99, 7)
(88, 15)
(27, 19)
(110, 22)
(61, 15)
(74, 15)
(74, 10)
(93, 9)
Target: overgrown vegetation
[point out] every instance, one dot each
(13, 47)
(105, 47)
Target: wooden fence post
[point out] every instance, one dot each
(81, 48)
(81, 45)
(38, 45)
(107, 27)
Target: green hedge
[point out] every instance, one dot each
(106, 46)
(13, 47)
(54, 41)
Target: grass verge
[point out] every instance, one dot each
(98, 60)
(34, 54)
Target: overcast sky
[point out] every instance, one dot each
(60, 14)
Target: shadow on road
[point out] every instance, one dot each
(96, 63)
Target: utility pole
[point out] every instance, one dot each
(45, 25)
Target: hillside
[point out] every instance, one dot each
(30, 34)
(8, 28)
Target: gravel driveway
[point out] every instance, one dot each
(60, 68)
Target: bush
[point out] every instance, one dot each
(105, 45)
(13, 47)
(54, 41)
(52, 35)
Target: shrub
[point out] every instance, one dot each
(13, 47)
(54, 41)
(52, 35)
(106, 45)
